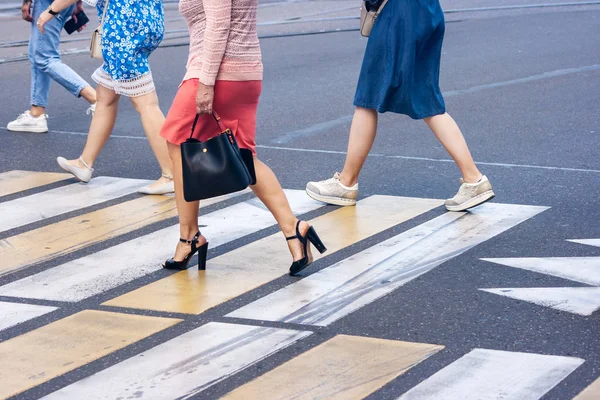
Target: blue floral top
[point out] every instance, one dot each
(132, 30)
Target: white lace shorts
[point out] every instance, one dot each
(137, 86)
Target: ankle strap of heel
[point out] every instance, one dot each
(192, 240)
(297, 235)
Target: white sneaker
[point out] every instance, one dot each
(333, 191)
(470, 195)
(28, 123)
(91, 110)
(165, 188)
(83, 174)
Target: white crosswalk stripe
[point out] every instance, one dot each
(112, 267)
(491, 375)
(335, 292)
(64, 199)
(12, 314)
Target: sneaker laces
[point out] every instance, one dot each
(23, 116)
(91, 110)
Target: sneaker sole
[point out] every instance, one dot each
(337, 201)
(29, 130)
(474, 202)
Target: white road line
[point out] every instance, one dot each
(578, 269)
(588, 242)
(184, 366)
(491, 375)
(12, 314)
(337, 291)
(112, 267)
(440, 160)
(576, 300)
(64, 199)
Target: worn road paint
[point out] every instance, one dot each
(257, 263)
(345, 367)
(105, 270)
(335, 292)
(184, 366)
(12, 314)
(578, 269)
(52, 350)
(17, 181)
(491, 375)
(576, 300)
(64, 199)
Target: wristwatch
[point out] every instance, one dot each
(51, 11)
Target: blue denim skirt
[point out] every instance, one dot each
(401, 65)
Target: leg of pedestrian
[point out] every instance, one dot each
(101, 127)
(152, 120)
(475, 188)
(342, 189)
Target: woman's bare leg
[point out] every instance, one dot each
(152, 121)
(362, 136)
(103, 122)
(448, 133)
(269, 191)
(187, 211)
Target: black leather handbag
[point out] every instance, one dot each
(215, 167)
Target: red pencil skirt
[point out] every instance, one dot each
(234, 102)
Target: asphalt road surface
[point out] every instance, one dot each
(410, 302)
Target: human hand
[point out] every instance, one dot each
(26, 11)
(77, 10)
(43, 19)
(204, 99)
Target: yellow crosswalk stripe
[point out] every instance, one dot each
(257, 263)
(592, 392)
(18, 181)
(57, 348)
(345, 367)
(48, 242)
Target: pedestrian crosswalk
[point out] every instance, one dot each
(183, 355)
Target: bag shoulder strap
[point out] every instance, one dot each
(104, 14)
(381, 7)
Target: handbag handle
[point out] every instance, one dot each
(217, 119)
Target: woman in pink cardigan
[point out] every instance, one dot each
(224, 73)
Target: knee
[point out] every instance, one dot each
(147, 105)
(106, 100)
(40, 61)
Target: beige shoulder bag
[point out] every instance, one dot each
(367, 18)
(96, 43)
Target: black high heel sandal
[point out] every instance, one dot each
(183, 264)
(312, 237)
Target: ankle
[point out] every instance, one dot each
(188, 232)
(82, 162)
(37, 111)
(472, 178)
(348, 180)
(290, 228)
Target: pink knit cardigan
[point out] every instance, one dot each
(223, 40)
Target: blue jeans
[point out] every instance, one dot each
(44, 57)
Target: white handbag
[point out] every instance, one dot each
(96, 43)
(368, 18)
